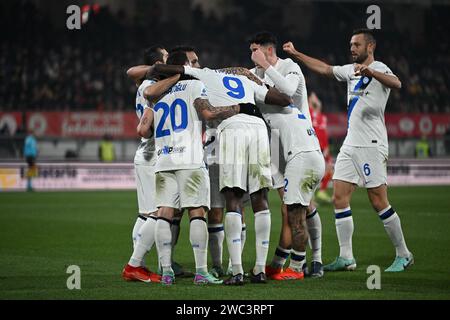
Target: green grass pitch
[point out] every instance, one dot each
(43, 233)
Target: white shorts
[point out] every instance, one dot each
(302, 177)
(245, 157)
(187, 188)
(145, 186)
(364, 166)
(217, 197)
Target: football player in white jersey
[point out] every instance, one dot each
(215, 214)
(363, 157)
(303, 160)
(181, 176)
(144, 161)
(242, 133)
(137, 74)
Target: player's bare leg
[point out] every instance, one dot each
(299, 240)
(216, 237)
(175, 229)
(342, 193)
(322, 194)
(379, 199)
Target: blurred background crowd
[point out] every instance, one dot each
(44, 66)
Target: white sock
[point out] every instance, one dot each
(393, 227)
(164, 243)
(243, 238)
(344, 230)
(262, 235)
(233, 229)
(297, 260)
(280, 257)
(144, 243)
(315, 235)
(198, 235)
(216, 237)
(137, 225)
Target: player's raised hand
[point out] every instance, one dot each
(362, 70)
(259, 59)
(289, 48)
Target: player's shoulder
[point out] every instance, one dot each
(378, 65)
(348, 66)
(189, 83)
(345, 69)
(146, 83)
(289, 63)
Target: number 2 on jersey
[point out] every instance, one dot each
(171, 110)
(235, 86)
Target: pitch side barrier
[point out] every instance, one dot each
(120, 176)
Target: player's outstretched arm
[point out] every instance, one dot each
(144, 128)
(312, 63)
(137, 73)
(388, 80)
(154, 92)
(167, 69)
(208, 112)
(241, 71)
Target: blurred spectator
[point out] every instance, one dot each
(84, 70)
(423, 148)
(30, 152)
(106, 150)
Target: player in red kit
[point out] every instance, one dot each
(319, 121)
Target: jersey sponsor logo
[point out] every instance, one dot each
(167, 150)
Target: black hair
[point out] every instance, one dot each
(178, 58)
(153, 54)
(368, 34)
(263, 38)
(182, 48)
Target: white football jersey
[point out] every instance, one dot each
(226, 89)
(145, 153)
(292, 122)
(177, 128)
(366, 102)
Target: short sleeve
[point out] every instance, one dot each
(381, 67)
(343, 73)
(199, 90)
(193, 72)
(260, 91)
(292, 68)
